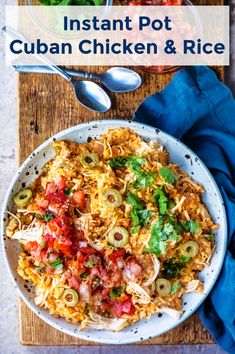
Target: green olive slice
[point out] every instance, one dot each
(112, 198)
(189, 249)
(70, 297)
(163, 287)
(22, 198)
(89, 159)
(118, 236)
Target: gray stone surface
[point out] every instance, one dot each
(9, 328)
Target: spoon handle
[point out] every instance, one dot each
(43, 69)
(8, 31)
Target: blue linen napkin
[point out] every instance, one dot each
(200, 110)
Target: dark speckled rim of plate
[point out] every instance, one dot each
(156, 325)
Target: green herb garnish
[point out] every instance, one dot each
(167, 175)
(90, 264)
(139, 215)
(84, 275)
(144, 179)
(160, 233)
(162, 202)
(57, 263)
(47, 217)
(132, 161)
(69, 191)
(86, 309)
(171, 268)
(116, 292)
(191, 226)
(134, 201)
(139, 218)
(210, 236)
(175, 287)
(185, 259)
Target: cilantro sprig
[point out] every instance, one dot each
(167, 175)
(163, 203)
(192, 226)
(175, 287)
(143, 179)
(139, 214)
(57, 264)
(116, 292)
(161, 232)
(47, 217)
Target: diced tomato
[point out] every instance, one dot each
(57, 197)
(78, 199)
(55, 226)
(73, 283)
(104, 294)
(105, 306)
(42, 203)
(31, 246)
(94, 271)
(116, 254)
(80, 257)
(50, 188)
(65, 249)
(54, 193)
(118, 309)
(123, 307)
(61, 182)
(75, 266)
(50, 240)
(67, 230)
(88, 250)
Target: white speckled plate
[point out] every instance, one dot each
(179, 154)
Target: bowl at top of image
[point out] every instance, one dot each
(178, 154)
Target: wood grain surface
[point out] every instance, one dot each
(47, 105)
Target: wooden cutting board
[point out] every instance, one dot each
(46, 106)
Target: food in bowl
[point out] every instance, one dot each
(112, 232)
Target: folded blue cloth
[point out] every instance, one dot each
(200, 110)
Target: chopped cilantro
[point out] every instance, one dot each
(86, 309)
(157, 242)
(162, 202)
(144, 179)
(116, 292)
(160, 233)
(118, 162)
(160, 199)
(84, 275)
(210, 237)
(57, 263)
(47, 217)
(134, 201)
(167, 175)
(185, 259)
(139, 218)
(191, 226)
(135, 162)
(69, 191)
(171, 268)
(139, 215)
(175, 287)
(132, 161)
(90, 264)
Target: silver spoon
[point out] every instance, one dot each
(88, 93)
(116, 79)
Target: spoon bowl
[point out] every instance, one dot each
(91, 95)
(119, 79)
